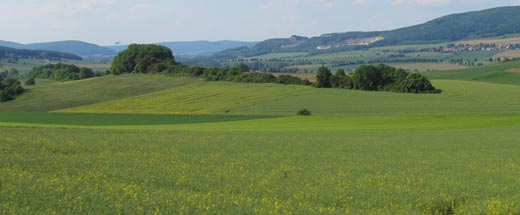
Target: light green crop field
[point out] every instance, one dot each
(60, 95)
(495, 73)
(428, 66)
(459, 97)
(150, 144)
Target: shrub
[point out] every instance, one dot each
(30, 81)
(255, 78)
(304, 112)
(288, 79)
(416, 83)
(9, 88)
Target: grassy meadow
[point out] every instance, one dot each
(151, 144)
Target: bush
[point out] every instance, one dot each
(416, 83)
(30, 82)
(9, 88)
(304, 112)
(288, 79)
(255, 78)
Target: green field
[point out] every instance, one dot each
(494, 73)
(151, 144)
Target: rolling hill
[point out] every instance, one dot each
(478, 24)
(183, 49)
(464, 91)
(173, 145)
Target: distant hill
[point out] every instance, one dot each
(479, 24)
(75, 47)
(12, 53)
(11, 44)
(194, 48)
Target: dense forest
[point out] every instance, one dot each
(14, 54)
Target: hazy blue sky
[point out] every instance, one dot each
(128, 21)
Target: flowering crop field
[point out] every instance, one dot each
(119, 171)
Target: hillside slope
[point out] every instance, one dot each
(494, 73)
(478, 24)
(48, 97)
(459, 97)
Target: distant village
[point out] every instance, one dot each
(452, 47)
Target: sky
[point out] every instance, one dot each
(106, 22)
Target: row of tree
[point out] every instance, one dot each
(62, 72)
(376, 78)
(9, 89)
(158, 59)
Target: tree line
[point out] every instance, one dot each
(158, 59)
(62, 72)
(376, 78)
